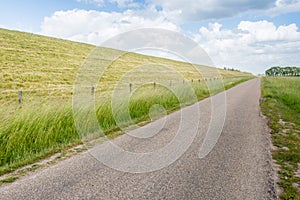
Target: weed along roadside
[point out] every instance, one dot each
(36, 104)
(281, 104)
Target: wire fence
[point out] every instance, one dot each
(29, 94)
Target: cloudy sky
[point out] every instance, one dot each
(251, 35)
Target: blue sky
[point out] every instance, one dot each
(251, 35)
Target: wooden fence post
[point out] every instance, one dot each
(93, 91)
(130, 87)
(20, 96)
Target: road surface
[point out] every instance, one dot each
(238, 167)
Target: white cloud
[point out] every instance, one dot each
(212, 9)
(284, 6)
(252, 45)
(99, 3)
(125, 3)
(262, 31)
(95, 27)
(198, 10)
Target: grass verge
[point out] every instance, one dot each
(281, 104)
(9, 179)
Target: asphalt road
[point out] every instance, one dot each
(238, 167)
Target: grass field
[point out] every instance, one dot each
(45, 69)
(282, 106)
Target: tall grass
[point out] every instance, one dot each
(35, 131)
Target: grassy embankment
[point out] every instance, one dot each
(282, 106)
(45, 69)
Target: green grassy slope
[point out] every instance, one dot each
(45, 69)
(38, 64)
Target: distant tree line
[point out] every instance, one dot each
(283, 71)
(231, 69)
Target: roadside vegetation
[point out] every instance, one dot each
(45, 70)
(281, 104)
